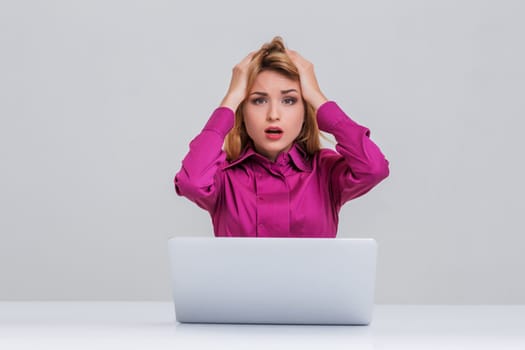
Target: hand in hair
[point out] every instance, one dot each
(237, 90)
(309, 85)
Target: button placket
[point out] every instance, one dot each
(272, 205)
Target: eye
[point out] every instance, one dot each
(289, 100)
(259, 101)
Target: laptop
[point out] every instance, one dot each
(273, 280)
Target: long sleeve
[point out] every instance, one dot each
(362, 165)
(197, 178)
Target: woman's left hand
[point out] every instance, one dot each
(309, 85)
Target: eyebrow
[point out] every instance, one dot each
(283, 92)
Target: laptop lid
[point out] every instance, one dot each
(273, 280)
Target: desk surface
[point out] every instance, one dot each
(151, 325)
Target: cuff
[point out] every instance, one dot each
(221, 121)
(330, 115)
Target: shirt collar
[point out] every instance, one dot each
(296, 154)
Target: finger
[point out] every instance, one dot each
(293, 54)
(245, 62)
(249, 57)
(296, 58)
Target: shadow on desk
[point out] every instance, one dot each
(309, 335)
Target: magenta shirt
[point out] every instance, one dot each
(291, 197)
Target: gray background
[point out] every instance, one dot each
(99, 100)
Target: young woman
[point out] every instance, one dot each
(272, 179)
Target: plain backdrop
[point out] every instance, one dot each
(99, 100)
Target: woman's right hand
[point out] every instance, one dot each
(237, 90)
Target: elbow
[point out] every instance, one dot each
(385, 169)
(183, 184)
(193, 190)
(177, 185)
(379, 171)
(185, 187)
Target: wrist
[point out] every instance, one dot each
(231, 101)
(318, 100)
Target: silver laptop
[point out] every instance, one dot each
(273, 280)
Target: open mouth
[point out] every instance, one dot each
(273, 130)
(273, 133)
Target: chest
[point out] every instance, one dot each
(275, 203)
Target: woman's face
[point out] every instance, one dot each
(273, 113)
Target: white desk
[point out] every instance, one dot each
(151, 325)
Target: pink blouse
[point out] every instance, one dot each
(295, 196)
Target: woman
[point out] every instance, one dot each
(273, 179)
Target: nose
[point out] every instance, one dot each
(273, 112)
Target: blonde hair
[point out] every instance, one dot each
(272, 56)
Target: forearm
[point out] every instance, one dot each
(365, 163)
(196, 178)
